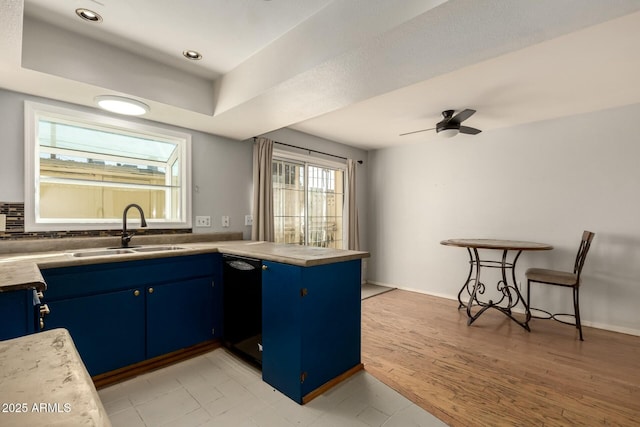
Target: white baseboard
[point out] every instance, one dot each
(612, 328)
(606, 327)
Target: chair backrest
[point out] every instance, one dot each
(585, 244)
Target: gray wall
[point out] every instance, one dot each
(546, 182)
(222, 168)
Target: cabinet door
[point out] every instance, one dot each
(17, 316)
(331, 322)
(107, 329)
(281, 328)
(179, 315)
(310, 325)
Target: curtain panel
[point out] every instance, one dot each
(353, 240)
(262, 191)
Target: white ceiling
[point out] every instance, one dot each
(355, 71)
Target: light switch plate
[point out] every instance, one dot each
(3, 222)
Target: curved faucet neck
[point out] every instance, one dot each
(126, 237)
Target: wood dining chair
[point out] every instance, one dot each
(562, 278)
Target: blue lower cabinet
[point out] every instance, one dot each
(108, 329)
(179, 315)
(17, 314)
(167, 304)
(310, 325)
(281, 328)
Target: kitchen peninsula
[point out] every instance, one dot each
(310, 299)
(43, 382)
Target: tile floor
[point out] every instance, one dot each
(218, 389)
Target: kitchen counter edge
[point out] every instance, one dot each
(23, 271)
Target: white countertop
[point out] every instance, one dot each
(43, 382)
(22, 270)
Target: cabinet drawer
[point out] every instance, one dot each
(70, 282)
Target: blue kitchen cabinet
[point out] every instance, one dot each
(108, 328)
(310, 325)
(17, 314)
(182, 314)
(126, 312)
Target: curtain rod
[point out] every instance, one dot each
(310, 150)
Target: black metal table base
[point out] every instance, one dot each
(509, 294)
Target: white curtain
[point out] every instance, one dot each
(262, 191)
(353, 239)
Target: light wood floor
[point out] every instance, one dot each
(494, 372)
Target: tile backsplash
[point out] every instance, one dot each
(14, 212)
(14, 217)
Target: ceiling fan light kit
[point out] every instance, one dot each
(448, 133)
(449, 126)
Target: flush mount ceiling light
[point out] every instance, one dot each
(88, 15)
(192, 54)
(122, 105)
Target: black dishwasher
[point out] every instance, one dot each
(243, 307)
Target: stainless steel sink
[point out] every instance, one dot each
(157, 248)
(120, 251)
(102, 252)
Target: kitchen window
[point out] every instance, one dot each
(308, 201)
(83, 169)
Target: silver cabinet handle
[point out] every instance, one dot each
(44, 310)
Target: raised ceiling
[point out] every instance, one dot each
(355, 71)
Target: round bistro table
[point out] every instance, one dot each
(509, 294)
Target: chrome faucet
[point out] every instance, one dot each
(126, 237)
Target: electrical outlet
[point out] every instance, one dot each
(225, 221)
(248, 220)
(203, 221)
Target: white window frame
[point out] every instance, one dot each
(307, 160)
(34, 111)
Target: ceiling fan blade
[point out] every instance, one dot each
(468, 130)
(463, 115)
(415, 131)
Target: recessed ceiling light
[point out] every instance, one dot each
(192, 54)
(122, 105)
(88, 15)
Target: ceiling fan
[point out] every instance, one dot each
(450, 126)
